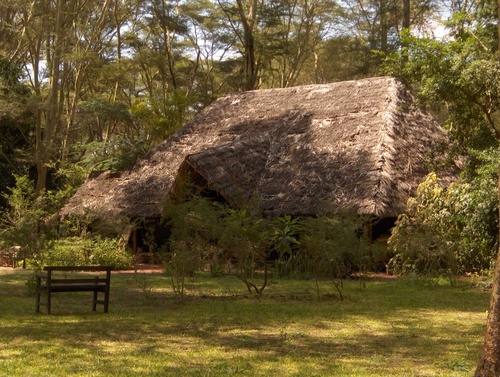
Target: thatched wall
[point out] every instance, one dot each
(359, 146)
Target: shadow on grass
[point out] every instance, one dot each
(390, 325)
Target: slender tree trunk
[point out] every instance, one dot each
(384, 30)
(45, 137)
(406, 28)
(248, 21)
(498, 29)
(489, 363)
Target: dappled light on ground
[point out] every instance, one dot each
(391, 327)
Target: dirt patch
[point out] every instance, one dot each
(143, 268)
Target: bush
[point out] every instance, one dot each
(108, 252)
(204, 232)
(333, 247)
(449, 231)
(23, 222)
(95, 250)
(194, 226)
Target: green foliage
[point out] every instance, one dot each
(284, 238)
(70, 251)
(23, 222)
(284, 234)
(92, 251)
(116, 153)
(193, 226)
(447, 231)
(16, 125)
(107, 252)
(160, 124)
(251, 247)
(335, 246)
(332, 247)
(247, 240)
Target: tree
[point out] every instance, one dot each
(459, 77)
(292, 33)
(489, 362)
(16, 125)
(372, 30)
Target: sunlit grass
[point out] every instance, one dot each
(389, 328)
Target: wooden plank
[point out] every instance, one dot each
(78, 281)
(78, 268)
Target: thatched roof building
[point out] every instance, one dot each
(357, 146)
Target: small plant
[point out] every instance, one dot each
(23, 223)
(284, 238)
(332, 247)
(193, 222)
(108, 251)
(246, 237)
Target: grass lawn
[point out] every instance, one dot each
(390, 328)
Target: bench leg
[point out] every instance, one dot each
(49, 301)
(94, 301)
(37, 302)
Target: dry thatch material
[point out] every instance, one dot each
(355, 146)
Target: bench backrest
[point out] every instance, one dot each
(79, 268)
(51, 280)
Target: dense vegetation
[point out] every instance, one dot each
(91, 85)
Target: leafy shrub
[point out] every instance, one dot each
(108, 252)
(194, 225)
(252, 246)
(23, 222)
(446, 231)
(332, 247)
(95, 250)
(335, 245)
(67, 252)
(116, 153)
(246, 239)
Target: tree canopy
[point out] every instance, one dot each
(101, 74)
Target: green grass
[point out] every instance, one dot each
(389, 328)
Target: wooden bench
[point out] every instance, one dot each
(47, 284)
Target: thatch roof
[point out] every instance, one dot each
(358, 146)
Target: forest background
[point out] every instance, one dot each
(93, 84)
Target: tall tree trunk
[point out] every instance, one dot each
(406, 29)
(45, 137)
(498, 29)
(489, 363)
(249, 22)
(384, 29)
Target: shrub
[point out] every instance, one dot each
(94, 250)
(194, 226)
(446, 231)
(108, 252)
(332, 247)
(23, 222)
(246, 239)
